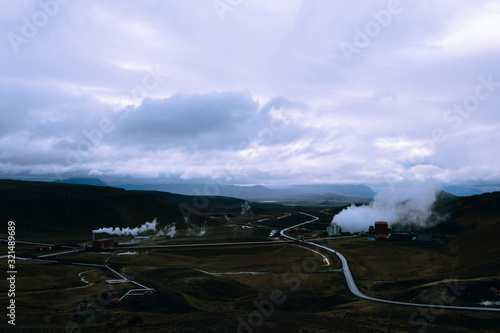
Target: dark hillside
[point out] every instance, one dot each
(218, 204)
(44, 206)
(57, 206)
(472, 228)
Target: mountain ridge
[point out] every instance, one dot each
(258, 191)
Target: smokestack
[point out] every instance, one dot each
(93, 236)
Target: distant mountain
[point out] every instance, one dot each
(235, 191)
(462, 190)
(346, 190)
(82, 181)
(259, 192)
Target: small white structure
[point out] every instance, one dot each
(333, 229)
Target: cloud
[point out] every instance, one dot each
(181, 116)
(263, 96)
(406, 203)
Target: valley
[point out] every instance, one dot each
(234, 276)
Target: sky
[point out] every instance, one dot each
(250, 91)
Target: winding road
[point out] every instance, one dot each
(354, 288)
(345, 268)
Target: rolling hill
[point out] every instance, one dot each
(83, 181)
(259, 192)
(64, 207)
(472, 228)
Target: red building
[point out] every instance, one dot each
(296, 229)
(101, 244)
(381, 230)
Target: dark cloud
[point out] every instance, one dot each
(184, 116)
(225, 120)
(168, 89)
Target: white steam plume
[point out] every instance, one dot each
(146, 227)
(246, 210)
(197, 231)
(407, 203)
(169, 231)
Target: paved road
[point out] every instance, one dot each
(354, 288)
(345, 267)
(29, 243)
(139, 247)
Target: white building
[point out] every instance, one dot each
(333, 229)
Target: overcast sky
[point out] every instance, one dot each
(250, 91)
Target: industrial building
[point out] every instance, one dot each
(101, 244)
(424, 236)
(401, 237)
(334, 229)
(381, 230)
(412, 236)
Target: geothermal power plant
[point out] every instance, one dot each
(380, 231)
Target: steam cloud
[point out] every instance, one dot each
(408, 203)
(169, 231)
(148, 227)
(197, 231)
(246, 210)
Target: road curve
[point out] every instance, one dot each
(354, 288)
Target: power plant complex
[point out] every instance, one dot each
(380, 231)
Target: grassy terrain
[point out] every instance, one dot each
(418, 272)
(216, 289)
(186, 281)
